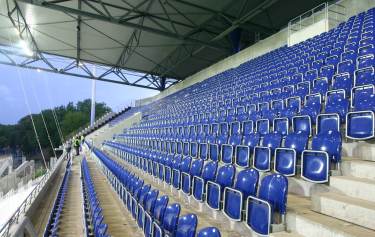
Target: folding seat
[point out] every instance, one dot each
(263, 126)
(165, 168)
(303, 89)
(317, 64)
(149, 210)
(241, 114)
(366, 61)
(264, 210)
(312, 106)
(336, 102)
(263, 154)
(364, 76)
(186, 177)
(139, 194)
(342, 81)
(360, 123)
(214, 189)
(277, 105)
(303, 124)
(182, 167)
(368, 49)
(349, 55)
(333, 60)
(209, 232)
(297, 78)
(235, 198)
(367, 39)
(231, 115)
(288, 91)
(293, 107)
(320, 85)
(186, 148)
(303, 68)
(286, 156)
(346, 66)
(199, 182)
(203, 151)
(281, 126)
(186, 226)
(168, 225)
(311, 75)
(326, 148)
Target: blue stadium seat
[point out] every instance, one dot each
(186, 226)
(263, 154)
(199, 182)
(195, 170)
(214, 189)
(271, 201)
(209, 232)
(234, 198)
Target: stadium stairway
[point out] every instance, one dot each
(71, 222)
(115, 215)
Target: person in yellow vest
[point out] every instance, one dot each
(76, 144)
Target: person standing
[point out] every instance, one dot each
(82, 141)
(68, 148)
(76, 144)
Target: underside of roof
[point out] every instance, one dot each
(164, 40)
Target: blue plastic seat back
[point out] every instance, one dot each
(235, 139)
(297, 141)
(360, 125)
(185, 164)
(247, 182)
(159, 208)
(196, 167)
(186, 226)
(365, 76)
(274, 189)
(209, 232)
(235, 128)
(251, 140)
(143, 194)
(248, 127)
(272, 140)
(225, 175)
(328, 122)
(242, 156)
(214, 152)
(263, 126)
(170, 217)
(281, 126)
(209, 171)
(203, 151)
(151, 199)
(302, 124)
(227, 152)
(330, 142)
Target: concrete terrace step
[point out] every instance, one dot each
(358, 168)
(302, 220)
(285, 234)
(353, 210)
(354, 187)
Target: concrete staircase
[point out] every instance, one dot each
(346, 209)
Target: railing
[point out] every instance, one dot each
(308, 18)
(25, 205)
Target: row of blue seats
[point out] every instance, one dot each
(152, 213)
(52, 226)
(236, 194)
(94, 218)
(264, 150)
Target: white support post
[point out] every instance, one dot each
(93, 96)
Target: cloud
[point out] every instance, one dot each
(6, 94)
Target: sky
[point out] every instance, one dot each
(44, 90)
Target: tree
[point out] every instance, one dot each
(71, 117)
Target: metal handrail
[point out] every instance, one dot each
(4, 232)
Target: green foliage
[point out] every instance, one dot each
(71, 119)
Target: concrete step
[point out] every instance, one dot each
(354, 187)
(302, 220)
(285, 234)
(353, 210)
(358, 168)
(364, 150)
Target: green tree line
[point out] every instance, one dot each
(71, 117)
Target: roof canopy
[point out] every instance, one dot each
(146, 43)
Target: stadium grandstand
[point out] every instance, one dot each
(264, 124)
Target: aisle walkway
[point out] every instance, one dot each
(120, 222)
(71, 223)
